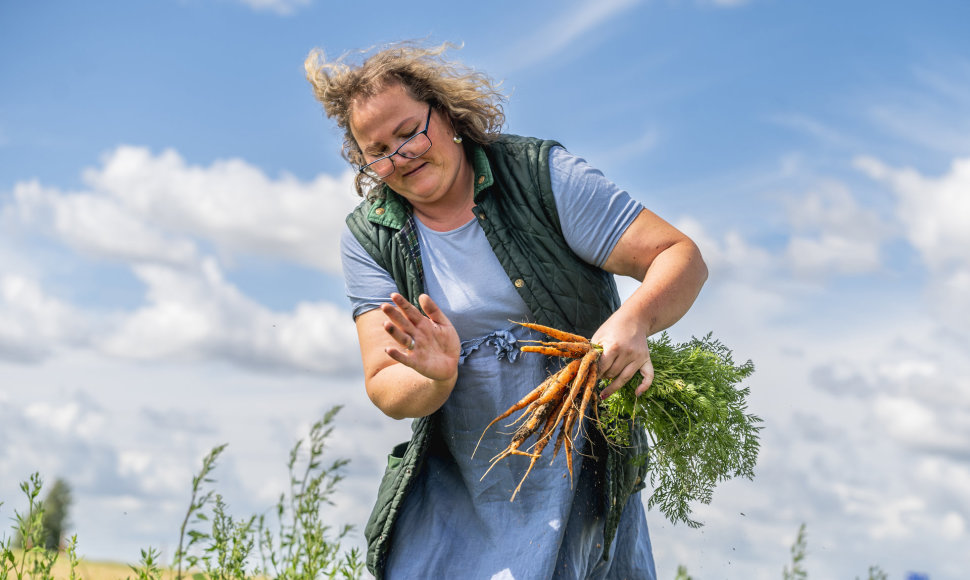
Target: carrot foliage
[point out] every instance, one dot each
(695, 414)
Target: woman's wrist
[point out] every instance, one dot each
(402, 392)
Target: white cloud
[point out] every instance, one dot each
(833, 234)
(865, 419)
(832, 254)
(96, 225)
(731, 257)
(565, 31)
(230, 203)
(34, 324)
(812, 127)
(281, 7)
(198, 315)
(928, 110)
(744, 290)
(154, 214)
(934, 211)
(128, 437)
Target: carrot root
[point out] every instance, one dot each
(560, 402)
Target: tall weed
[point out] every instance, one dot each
(295, 543)
(31, 560)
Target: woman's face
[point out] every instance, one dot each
(380, 124)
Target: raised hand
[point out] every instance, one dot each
(428, 343)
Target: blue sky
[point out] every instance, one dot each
(171, 197)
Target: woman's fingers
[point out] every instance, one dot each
(647, 371)
(431, 309)
(400, 325)
(621, 367)
(410, 312)
(397, 325)
(426, 341)
(419, 332)
(403, 339)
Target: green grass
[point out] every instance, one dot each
(294, 543)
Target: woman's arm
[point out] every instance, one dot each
(671, 272)
(408, 382)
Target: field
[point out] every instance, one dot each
(92, 570)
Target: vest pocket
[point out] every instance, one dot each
(403, 464)
(395, 458)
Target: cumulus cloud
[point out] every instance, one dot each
(198, 315)
(229, 203)
(175, 226)
(96, 225)
(833, 234)
(934, 213)
(866, 421)
(731, 257)
(34, 323)
(744, 289)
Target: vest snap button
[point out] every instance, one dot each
(481, 216)
(379, 211)
(519, 282)
(481, 179)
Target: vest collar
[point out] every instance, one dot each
(483, 171)
(392, 210)
(389, 209)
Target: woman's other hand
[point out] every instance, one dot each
(428, 344)
(410, 360)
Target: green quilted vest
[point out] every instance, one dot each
(517, 211)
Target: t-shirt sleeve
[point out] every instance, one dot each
(366, 284)
(594, 211)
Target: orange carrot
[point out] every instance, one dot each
(581, 347)
(524, 402)
(521, 434)
(554, 332)
(563, 379)
(581, 414)
(582, 377)
(552, 351)
(544, 437)
(536, 453)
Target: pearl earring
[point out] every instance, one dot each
(456, 139)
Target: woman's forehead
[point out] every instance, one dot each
(388, 105)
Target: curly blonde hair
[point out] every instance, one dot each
(470, 99)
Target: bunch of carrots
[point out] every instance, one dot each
(694, 414)
(558, 402)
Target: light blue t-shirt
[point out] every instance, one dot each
(455, 523)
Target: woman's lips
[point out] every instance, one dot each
(415, 170)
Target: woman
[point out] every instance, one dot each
(463, 230)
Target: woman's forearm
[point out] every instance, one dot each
(401, 392)
(668, 289)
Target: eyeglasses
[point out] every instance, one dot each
(415, 146)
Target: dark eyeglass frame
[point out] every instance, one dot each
(369, 170)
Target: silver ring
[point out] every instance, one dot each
(411, 346)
